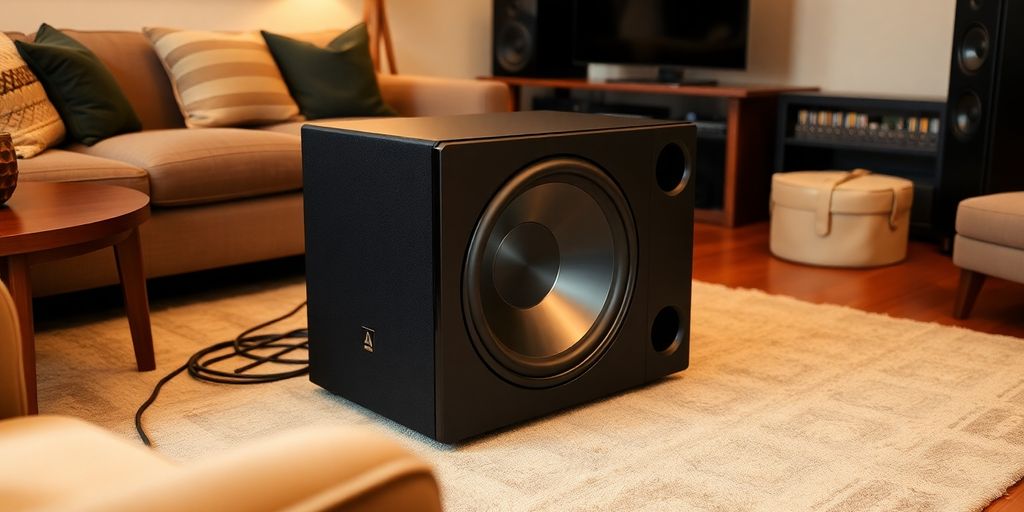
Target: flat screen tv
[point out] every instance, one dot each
(668, 33)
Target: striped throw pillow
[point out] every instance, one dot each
(223, 79)
(25, 111)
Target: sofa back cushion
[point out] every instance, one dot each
(137, 69)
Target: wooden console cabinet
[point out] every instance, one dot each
(750, 136)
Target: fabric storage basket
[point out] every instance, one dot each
(840, 219)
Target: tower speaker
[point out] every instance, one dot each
(534, 38)
(469, 272)
(985, 110)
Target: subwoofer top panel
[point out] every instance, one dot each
(488, 126)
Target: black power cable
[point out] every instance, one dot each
(245, 345)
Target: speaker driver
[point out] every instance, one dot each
(515, 47)
(974, 49)
(549, 272)
(967, 116)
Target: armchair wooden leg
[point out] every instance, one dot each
(970, 286)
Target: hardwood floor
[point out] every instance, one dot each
(922, 288)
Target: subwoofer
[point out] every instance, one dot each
(466, 273)
(985, 110)
(534, 38)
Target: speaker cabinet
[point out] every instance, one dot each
(469, 272)
(985, 132)
(534, 38)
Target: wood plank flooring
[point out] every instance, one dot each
(922, 288)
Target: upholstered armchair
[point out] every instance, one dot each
(989, 242)
(62, 463)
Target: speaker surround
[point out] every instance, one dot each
(509, 265)
(984, 106)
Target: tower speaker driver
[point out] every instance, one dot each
(465, 273)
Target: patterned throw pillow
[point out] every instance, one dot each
(223, 79)
(25, 111)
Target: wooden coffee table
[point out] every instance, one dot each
(47, 221)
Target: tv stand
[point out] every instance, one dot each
(751, 116)
(667, 76)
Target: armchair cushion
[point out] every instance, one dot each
(995, 218)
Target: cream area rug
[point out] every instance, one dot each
(786, 406)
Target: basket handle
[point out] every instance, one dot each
(823, 212)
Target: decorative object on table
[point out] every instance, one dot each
(840, 219)
(336, 81)
(85, 93)
(376, 17)
(8, 167)
(25, 111)
(247, 90)
(989, 242)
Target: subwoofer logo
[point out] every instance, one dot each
(368, 338)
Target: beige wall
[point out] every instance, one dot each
(859, 46)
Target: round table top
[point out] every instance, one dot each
(42, 215)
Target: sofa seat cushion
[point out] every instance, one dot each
(68, 166)
(206, 165)
(996, 218)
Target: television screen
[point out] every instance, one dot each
(699, 33)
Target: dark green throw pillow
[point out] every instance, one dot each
(86, 95)
(336, 81)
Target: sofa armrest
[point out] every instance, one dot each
(412, 95)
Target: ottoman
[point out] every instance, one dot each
(989, 242)
(840, 219)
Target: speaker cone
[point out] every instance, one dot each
(515, 46)
(967, 116)
(973, 49)
(549, 272)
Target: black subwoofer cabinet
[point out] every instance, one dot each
(466, 273)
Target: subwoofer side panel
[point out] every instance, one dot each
(472, 399)
(670, 255)
(369, 217)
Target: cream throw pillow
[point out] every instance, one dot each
(25, 111)
(223, 79)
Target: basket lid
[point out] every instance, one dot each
(855, 192)
(864, 194)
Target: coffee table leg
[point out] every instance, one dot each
(15, 273)
(133, 283)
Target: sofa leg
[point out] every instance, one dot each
(970, 286)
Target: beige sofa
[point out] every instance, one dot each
(220, 196)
